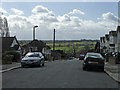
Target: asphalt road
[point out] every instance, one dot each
(57, 74)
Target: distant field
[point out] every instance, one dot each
(71, 47)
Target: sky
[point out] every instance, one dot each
(72, 20)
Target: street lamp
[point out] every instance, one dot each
(54, 45)
(34, 32)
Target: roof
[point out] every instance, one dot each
(118, 29)
(113, 33)
(7, 42)
(102, 39)
(35, 43)
(107, 36)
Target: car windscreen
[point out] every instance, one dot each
(33, 55)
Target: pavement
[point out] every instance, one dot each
(8, 67)
(113, 70)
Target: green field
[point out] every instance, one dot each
(72, 47)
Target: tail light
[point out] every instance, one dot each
(101, 60)
(88, 59)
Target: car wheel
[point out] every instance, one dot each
(43, 64)
(22, 66)
(84, 68)
(102, 69)
(40, 65)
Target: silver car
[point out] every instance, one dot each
(33, 59)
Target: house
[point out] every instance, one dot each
(10, 43)
(97, 47)
(106, 47)
(47, 51)
(37, 46)
(32, 46)
(118, 39)
(112, 41)
(102, 44)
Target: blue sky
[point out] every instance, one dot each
(89, 20)
(93, 10)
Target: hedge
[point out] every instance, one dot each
(7, 59)
(16, 55)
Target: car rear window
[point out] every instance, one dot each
(82, 55)
(95, 56)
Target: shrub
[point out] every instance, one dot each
(7, 59)
(16, 55)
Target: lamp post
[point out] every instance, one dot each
(54, 45)
(34, 32)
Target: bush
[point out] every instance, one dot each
(16, 55)
(7, 59)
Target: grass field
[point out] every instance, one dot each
(71, 47)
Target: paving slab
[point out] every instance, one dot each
(113, 70)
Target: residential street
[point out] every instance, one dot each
(57, 74)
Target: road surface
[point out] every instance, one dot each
(57, 74)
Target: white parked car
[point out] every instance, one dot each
(33, 59)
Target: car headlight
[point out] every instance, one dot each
(22, 61)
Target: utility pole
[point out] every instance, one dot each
(54, 45)
(34, 32)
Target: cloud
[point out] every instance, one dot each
(64, 18)
(3, 11)
(40, 9)
(76, 11)
(110, 16)
(42, 15)
(67, 26)
(17, 12)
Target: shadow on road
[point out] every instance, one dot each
(34, 66)
(95, 70)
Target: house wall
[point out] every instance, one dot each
(102, 44)
(47, 52)
(106, 45)
(112, 43)
(118, 41)
(1, 63)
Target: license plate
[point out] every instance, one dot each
(93, 62)
(28, 62)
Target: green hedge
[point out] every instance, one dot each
(16, 55)
(7, 59)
